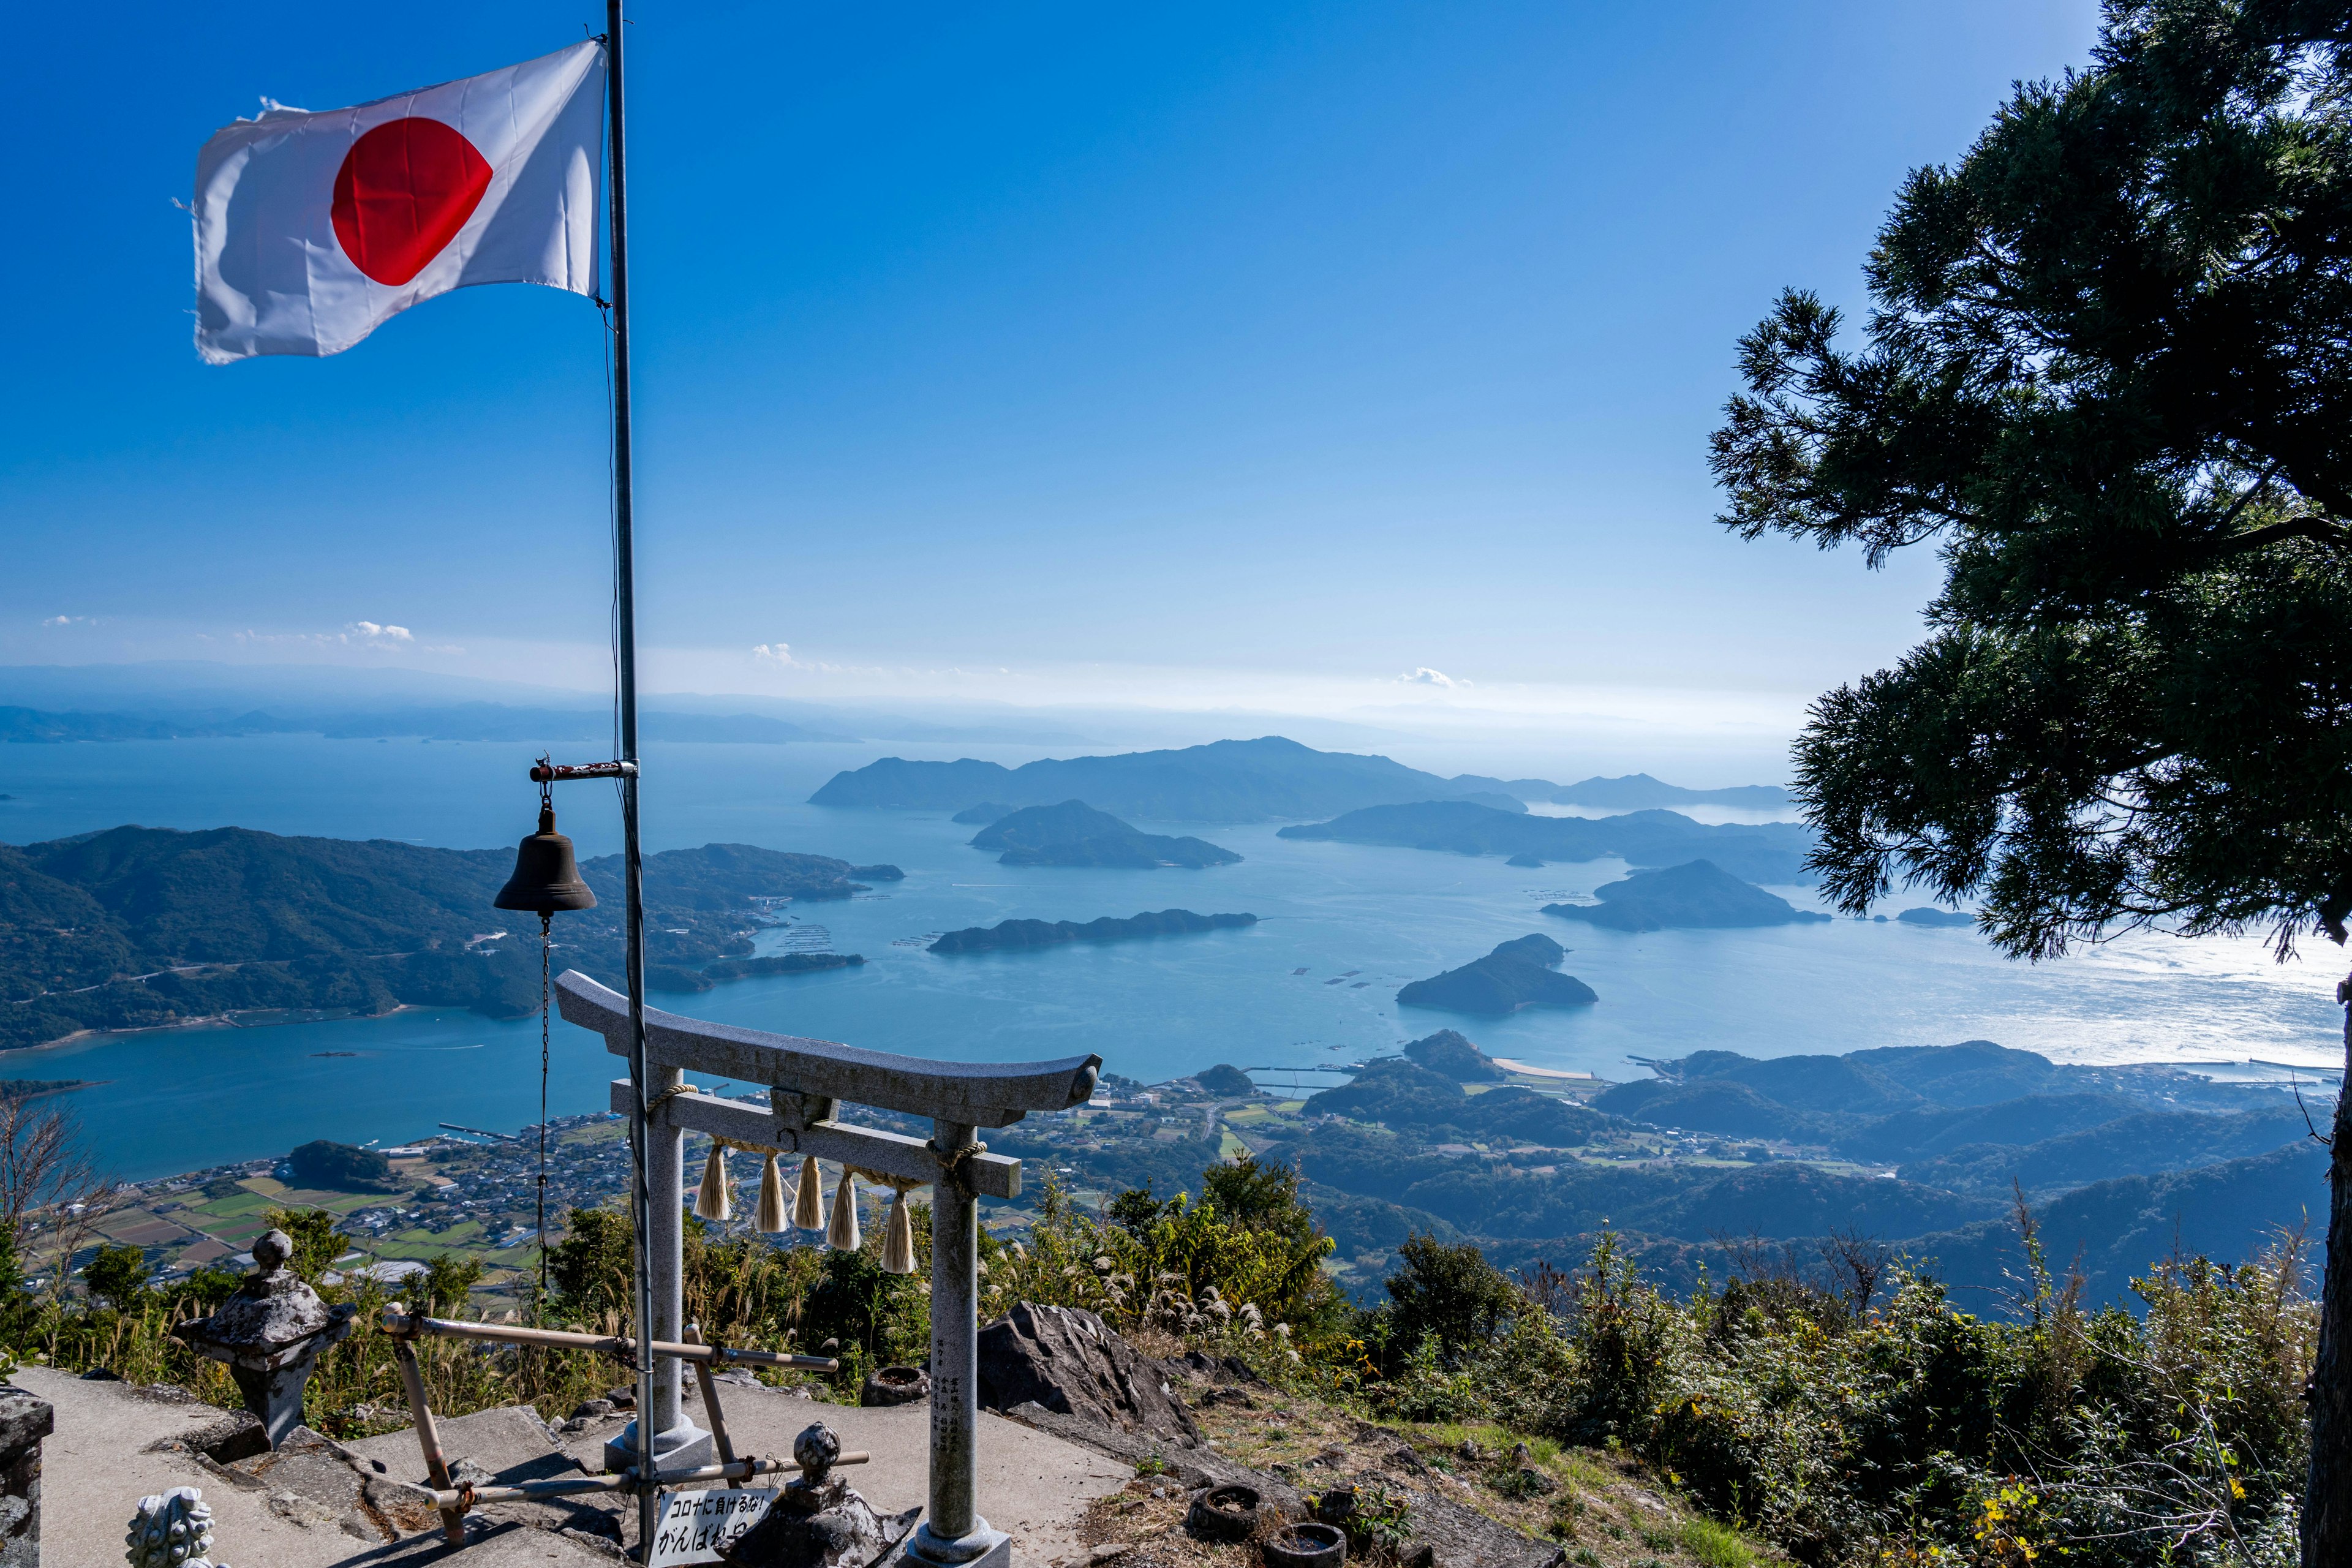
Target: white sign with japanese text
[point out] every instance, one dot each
(694, 1525)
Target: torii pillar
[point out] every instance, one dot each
(806, 1080)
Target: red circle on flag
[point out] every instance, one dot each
(405, 188)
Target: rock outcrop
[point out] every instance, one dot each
(1069, 1361)
(1451, 1055)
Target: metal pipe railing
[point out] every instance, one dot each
(404, 1324)
(460, 1498)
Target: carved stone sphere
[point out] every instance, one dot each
(815, 1450)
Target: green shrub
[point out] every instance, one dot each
(1716, 1545)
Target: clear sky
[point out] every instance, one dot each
(1205, 355)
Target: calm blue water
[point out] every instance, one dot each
(179, 1099)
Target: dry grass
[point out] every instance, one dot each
(1598, 1507)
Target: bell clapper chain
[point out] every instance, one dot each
(546, 948)
(546, 882)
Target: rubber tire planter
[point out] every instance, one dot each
(1306, 1546)
(1224, 1513)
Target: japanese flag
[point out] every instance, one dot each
(311, 229)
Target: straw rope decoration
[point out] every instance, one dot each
(841, 1234)
(808, 1203)
(898, 1235)
(710, 1199)
(770, 1217)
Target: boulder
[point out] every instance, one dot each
(1069, 1361)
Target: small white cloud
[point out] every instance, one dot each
(66, 620)
(1421, 675)
(369, 632)
(776, 653)
(355, 634)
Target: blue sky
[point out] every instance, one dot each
(1211, 355)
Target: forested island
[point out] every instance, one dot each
(1270, 779)
(1768, 852)
(1076, 833)
(1014, 935)
(139, 927)
(1516, 975)
(1699, 896)
(1927, 916)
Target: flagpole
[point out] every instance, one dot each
(624, 608)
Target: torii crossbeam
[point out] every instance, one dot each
(807, 1080)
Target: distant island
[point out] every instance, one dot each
(144, 927)
(1768, 852)
(1270, 779)
(1516, 975)
(984, 813)
(1924, 916)
(1699, 896)
(1076, 833)
(1634, 792)
(1013, 935)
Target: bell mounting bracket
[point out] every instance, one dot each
(546, 773)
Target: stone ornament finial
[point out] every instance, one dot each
(270, 1251)
(171, 1530)
(815, 1451)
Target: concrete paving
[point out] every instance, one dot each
(115, 1443)
(1031, 1484)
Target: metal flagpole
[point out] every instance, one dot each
(626, 612)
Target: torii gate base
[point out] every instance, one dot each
(807, 1079)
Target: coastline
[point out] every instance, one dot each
(1507, 1064)
(208, 1021)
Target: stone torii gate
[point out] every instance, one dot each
(806, 1080)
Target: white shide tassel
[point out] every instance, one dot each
(710, 1198)
(898, 1238)
(842, 1234)
(769, 1218)
(808, 1203)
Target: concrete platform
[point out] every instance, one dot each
(115, 1443)
(1031, 1483)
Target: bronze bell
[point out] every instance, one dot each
(546, 878)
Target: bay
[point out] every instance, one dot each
(1360, 921)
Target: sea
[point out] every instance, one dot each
(1310, 987)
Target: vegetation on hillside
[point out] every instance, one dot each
(137, 927)
(1838, 1406)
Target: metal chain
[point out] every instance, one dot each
(539, 1307)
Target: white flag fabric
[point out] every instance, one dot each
(312, 229)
